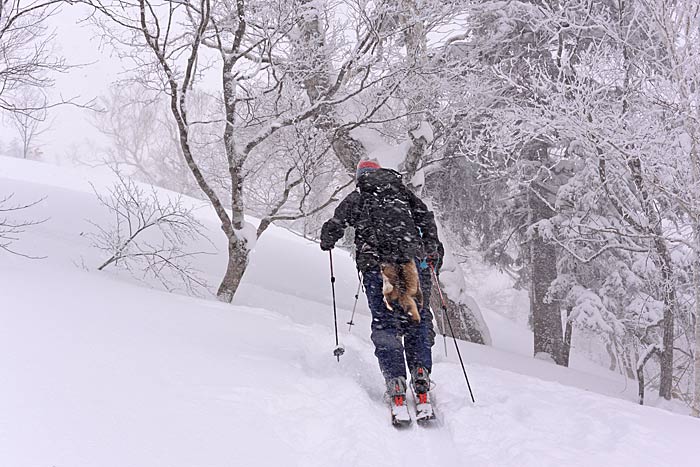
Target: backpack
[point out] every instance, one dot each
(386, 222)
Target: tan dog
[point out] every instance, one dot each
(401, 284)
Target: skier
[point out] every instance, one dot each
(392, 225)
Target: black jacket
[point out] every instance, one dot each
(350, 213)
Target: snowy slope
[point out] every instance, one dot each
(102, 371)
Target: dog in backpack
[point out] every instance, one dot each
(401, 285)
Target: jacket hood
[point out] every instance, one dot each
(378, 179)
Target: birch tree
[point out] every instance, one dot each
(28, 56)
(173, 42)
(12, 226)
(143, 138)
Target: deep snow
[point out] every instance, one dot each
(101, 370)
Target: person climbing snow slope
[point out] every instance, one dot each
(396, 240)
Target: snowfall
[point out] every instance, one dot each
(103, 370)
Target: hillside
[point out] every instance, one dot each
(102, 370)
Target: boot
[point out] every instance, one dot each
(420, 381)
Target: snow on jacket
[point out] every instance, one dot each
(383, 236)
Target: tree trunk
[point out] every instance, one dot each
(546, 316)
(566, 345)
(629, 356)
(669, 295)
(696, 355)
(237, 246)
(669, 288)
(234, 158)
(613, 357)
(315, 65)
(695, 164)
(415, 41)
(237, 262)
(640, 373)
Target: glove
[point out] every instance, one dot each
(326, 245)
(434, 261)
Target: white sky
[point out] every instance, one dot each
(69, 125)
(80, 44)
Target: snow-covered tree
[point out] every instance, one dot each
(13, 223)
(149, 235)
(28, 54)
(253, 42)
(141, 140)
(569, 150)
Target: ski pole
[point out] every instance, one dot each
(351, 323)
(449, 323)
(339, 350)
(444, 331)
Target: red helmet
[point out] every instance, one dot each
(367, 166)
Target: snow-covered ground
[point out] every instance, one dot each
(101, 370)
